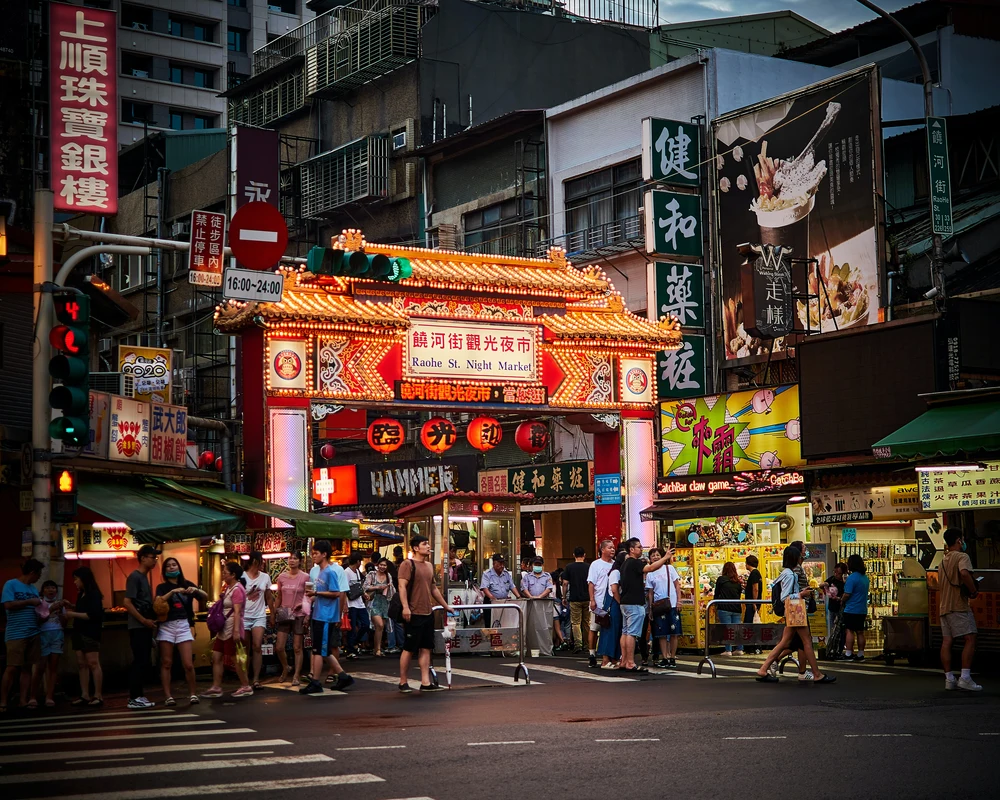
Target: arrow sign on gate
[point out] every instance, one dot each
(258, 235)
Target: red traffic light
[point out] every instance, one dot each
(65, 481)
(68, 309)
(68, 339)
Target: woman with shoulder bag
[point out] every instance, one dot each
(609, 645)
(792, 602)
(229, 640)
(289, 616)
(177, 629)
(378, 592)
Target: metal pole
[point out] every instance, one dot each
(161, 202)
(937, 248)
(41, 511)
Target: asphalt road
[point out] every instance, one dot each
(574, 733)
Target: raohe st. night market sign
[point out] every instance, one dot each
(474, 350)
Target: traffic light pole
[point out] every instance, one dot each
(41, 510)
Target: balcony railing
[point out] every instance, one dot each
(515, 243)
(355, 172)
(260, 108)
(605, 239)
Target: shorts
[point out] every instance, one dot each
(958, 623)
(52, 643)
(594, 625)
(249, 623)
(667, 625)
(175, 631)
(296, 626)
(855, 622)
(225, 646)
(419, 633)
(23, 652)
(632, 619)
(325, 637)
(86, 644)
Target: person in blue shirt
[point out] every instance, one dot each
(22, 638)
(855, 607)
(329, 602)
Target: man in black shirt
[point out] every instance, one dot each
(632, 590)
(574, 581)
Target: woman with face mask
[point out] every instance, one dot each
(378, 593)
(178, 629)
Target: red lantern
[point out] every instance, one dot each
(206, 460)
(532, 437)
(386, 435)
(327, 451)
(484, 433)
(438, 434)
(218, 464)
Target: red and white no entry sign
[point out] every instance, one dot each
(258, 235)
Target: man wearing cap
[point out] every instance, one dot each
(141, 624)
(497, 585)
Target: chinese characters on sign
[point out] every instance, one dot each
(493, 481)
(482, 351)
(768, 310)
(679, 290)
(740, 483)
(681, 373)
(550, 480)
(673, 223)
(951, 491)
(608, 489)
(83, 103)
(455, 393)
(129, 440)
(168, 435)
(940, 175)
(208, 240)
(671, 151)
(99, 537)
(836, 506)
(149, 368)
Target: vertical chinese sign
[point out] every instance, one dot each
(168, 435)
(83, 107)
(671, 152)
(208, 238)
(256, 166)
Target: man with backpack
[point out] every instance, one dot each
(329, 600)
(417, 593)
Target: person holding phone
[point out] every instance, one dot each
(178, 628)
(956, 585)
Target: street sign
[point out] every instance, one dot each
(940, 175)
(249, 284)
(208, 239)
(608, 489)
(258, 235)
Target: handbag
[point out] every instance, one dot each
(603, 618)
(662, 607)
(217, 617)
(796, 615)
(284, 614)
(345, 621)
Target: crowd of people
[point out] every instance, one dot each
(622, 609)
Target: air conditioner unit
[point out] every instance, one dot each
(140, 73)
(447, 236)
(113, 383)
(104, 345)
(181, 228)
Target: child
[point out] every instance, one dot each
(51, 621)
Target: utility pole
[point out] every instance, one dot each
(937, 248)
(41, 444)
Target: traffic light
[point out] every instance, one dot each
(71, 366)
(63, 493)
(327, 261)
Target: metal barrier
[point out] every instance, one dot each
(708, 616)
(521, 666)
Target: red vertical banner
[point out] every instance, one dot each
(83, 109)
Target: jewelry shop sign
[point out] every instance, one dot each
(449, 349)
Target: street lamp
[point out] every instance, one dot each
(937, 250)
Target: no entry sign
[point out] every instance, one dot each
(258, 235)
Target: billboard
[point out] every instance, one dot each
(800, 173)
(729, 433)
(151, 369)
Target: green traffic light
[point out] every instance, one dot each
(71, 430)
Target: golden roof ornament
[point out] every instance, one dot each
(557, 255)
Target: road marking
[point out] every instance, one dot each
(875, 735)
(214, 755)
(575, 673)
(749, 738)
(626, 740)
(44, 723)
(51, 755)
(20, 723)
(184, 766)
(145, 735)
(258, 236)
(486, 676)
(372, 676)
(681, 674)
(490, 744)
(989, 734)
(377, 747)
(166, 723)
(223, 788)
(790, 669)
(105, 760)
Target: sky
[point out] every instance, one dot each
(833, 15)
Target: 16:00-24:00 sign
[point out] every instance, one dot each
(251, 285)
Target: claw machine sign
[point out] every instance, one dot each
(731, 432)
(83, 103)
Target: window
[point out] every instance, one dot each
(130, 272)
(202, 123)
(136, 18)
(136, 66)
(176, 74)
(202, 33)
(236, 40)
(175, 27)
(494, 229)
(188, 28)
(176, 120)
(203, 79)
(136, 112)
(603, 207)
(284, 6)
(238, 3)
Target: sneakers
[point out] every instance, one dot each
(950, 684)
(243, 691)
(210, 693)
(663, 663)
(592, 661)
(313, 687)
(773, 669)
(343, 681)
(434, 687)
(738, 653)
(859, 659)
(969, 685)
(807, 675)
(673, 663)
(140, 704)
(404, 688)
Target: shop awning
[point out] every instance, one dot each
(307, 525)
(945, 431)
(155, 516)
(715, 507)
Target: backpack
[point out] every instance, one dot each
(777, 604)
(395, 611)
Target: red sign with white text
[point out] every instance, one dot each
(83, 109)
(208, 239)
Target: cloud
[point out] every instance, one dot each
(834, 16)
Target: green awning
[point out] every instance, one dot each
(945, 431)
(307, 524)
(154, 516)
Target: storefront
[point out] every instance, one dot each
(467, 356)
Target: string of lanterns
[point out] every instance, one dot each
(438, 435)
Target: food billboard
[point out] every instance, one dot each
(801, 173)
(736, 432)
